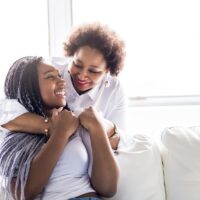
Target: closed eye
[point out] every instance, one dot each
(48, 76)
(53, 76)
(93, 71)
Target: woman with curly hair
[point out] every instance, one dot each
(54, 166)
(94, 57)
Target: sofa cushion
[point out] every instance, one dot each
(141, 175)
(181, 161)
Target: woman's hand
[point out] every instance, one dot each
(63, 123)
(113, 135)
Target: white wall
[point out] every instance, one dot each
(24, 32)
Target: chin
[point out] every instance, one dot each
(60, 105)
(82, 91)
(57, 107)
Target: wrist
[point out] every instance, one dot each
(46, 121)
(95, 130)
(58, 138)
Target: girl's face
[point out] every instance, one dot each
(87, 69)
(52, 86)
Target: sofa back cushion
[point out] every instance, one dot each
(141, 174)
(181, 160)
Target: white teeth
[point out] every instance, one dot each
(60, 93)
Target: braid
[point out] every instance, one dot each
(19, 85)
(17, 150)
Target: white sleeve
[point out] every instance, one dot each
(118, 110)
(118, 113)
(10, 109)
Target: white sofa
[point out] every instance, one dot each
(167, 169)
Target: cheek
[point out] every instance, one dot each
(73, 70)
(97, 78)
(45, 93)
(42, 87)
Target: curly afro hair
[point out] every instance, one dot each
(102, 38)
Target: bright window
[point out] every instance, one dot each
(24, 32)
(162, 42)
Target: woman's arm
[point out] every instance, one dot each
(115, 117)
(112, 133)
(64, 125)
(28, 123)
(14, 117)
(105, 172)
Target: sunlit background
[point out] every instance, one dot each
(161, 73)
(162, 42)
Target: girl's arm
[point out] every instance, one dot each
(64, 125)
(105, 171)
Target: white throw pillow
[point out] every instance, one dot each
(182, 162)
(141, 174)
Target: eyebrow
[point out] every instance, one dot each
(46, 72)
(78, 60)
(51, 70)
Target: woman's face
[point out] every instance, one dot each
(87, 69)
(52, 86)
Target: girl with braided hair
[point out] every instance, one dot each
(62, 164)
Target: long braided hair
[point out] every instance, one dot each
(17, 150)
(22, 84)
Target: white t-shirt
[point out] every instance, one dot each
(70, 176)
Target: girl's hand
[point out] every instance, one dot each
(90, 119)
(63, 123)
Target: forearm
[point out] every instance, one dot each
(43, 165)
(28, 123)
(105, 169)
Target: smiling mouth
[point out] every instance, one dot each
(60, 93)
(79, 82)
(82, 83)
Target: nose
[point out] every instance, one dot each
(62, 82)
(82, 74)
